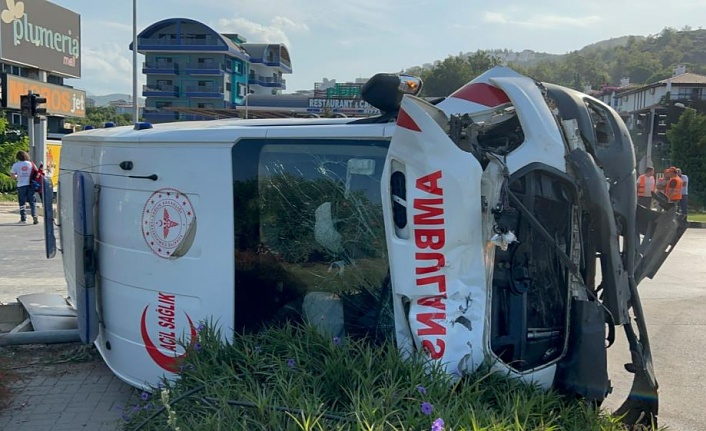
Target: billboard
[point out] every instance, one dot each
(40, 34)
(60, 100)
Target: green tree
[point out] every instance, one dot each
(446, 77)
(687, 138)
(12, 140)
(97, 116)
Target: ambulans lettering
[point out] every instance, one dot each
(430, 238)
(431, 214)
(437, 259)
(165, 313)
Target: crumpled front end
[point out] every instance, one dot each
(500, 204)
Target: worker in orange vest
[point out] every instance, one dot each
(645, 187)
(673, 187)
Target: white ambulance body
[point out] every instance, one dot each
(466, 229)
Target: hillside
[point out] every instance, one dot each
(640, 59)
(611, 43)
(103, 100)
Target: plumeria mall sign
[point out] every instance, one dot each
(41, 34)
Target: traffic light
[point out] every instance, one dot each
(25, 106)
(30, 105)
(37, 100)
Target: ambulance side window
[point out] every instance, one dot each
(601, 124)
(308, 229)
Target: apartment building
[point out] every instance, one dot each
(189, 68)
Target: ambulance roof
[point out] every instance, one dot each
(230, 130)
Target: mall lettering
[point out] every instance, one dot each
(23, 30)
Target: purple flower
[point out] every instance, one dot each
(148, 406)
(197, 347)
(135, 408)
(200, 327)
(337, 341)
(421, 389)
(125, 417)
(290, 363)
(427, 408)
(145, 396)
(438, 425)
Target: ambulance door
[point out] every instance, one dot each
(432, 210)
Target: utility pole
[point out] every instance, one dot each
(135, 108)
(648, 156)
(247, 96)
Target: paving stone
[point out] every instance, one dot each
(70, 396)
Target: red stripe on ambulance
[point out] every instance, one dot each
(481, 93)
(404, 120)
(429, 239)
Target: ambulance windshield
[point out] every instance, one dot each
(309, 236)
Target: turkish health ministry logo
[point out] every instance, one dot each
(24, 31)
(166, 219)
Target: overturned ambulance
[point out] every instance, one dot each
(496, 226)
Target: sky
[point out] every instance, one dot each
(349, 39)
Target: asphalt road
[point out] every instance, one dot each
(674, 303)
(675, 308)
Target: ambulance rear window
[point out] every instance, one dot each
(309, 236)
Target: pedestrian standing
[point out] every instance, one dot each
(684, 191)
(22, 171)
(673, 187)
(645, 187)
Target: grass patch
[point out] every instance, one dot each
(8, 197)
(698, 217)
(294, 378)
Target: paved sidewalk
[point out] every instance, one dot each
(48, 389)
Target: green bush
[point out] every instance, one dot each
(294, 378)
(7, 183)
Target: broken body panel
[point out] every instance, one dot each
(469, 231)
(548, 195)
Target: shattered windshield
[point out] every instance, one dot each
(309, 236)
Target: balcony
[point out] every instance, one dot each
(195, 117)
(204, 69)
(160, 91)
(208, 91)
(160, 68)
(160, 116)
(172, 43)
(267, 81)
(273, 61)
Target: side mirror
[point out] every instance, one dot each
(384, 91)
